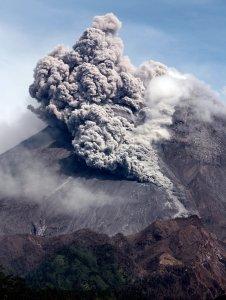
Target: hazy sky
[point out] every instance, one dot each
(187, 34)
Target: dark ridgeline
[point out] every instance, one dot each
(177, 258)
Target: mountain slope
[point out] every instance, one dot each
(59, 194)
(196, 155)
(45, 189)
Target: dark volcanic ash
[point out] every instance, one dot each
(92, 89)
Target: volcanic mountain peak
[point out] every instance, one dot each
(125, 145)
(118, 115)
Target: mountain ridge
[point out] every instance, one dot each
(166, 256)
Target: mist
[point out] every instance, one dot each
(21, 128)
(29, 179)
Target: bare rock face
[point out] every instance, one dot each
(167, 256)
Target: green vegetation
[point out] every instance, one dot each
(79, 269)
(71, 273)
(12, 287)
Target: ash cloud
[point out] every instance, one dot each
(116, 113)
(92, 90)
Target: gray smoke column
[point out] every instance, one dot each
(104, 102)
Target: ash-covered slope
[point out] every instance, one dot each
(45, 189)
(167, 256)
(197, 157)
(53, 192)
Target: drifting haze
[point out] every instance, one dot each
(29, 178)
(19, 129)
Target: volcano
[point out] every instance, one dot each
(123, 147)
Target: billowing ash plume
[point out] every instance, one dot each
(114, 112)
(92, 89)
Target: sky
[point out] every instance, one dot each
(189, 35)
